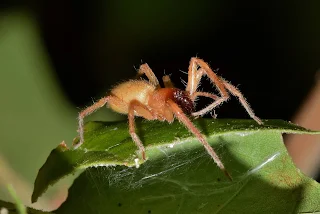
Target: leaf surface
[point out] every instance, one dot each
(179, 176)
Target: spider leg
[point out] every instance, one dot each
(234, 91)
(194, 76)
(141, 110)
(145, 69)
(186, 121)
(87, 111)
(195, 79)
(207, 109)
(221, 85)
(203, 94)
(167, 81)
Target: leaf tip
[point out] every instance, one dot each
(63, 146)
(34, 197)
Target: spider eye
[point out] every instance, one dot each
(182, 98)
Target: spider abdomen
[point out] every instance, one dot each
(128, 91)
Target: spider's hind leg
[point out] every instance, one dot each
(87, 111)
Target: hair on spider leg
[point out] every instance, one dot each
(213, 114)
(183, 82)
(93, 100)
(183, 72)
(134, 67)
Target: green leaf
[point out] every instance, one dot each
(179, 176)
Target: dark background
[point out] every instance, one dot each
(270, 49)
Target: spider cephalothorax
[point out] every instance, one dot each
(148, 100)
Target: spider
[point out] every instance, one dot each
(149, 100)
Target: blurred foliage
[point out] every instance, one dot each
(32, 110)
(35, 116)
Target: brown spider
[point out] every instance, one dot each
(148, 100)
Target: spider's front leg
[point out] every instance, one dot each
(194, 76)
(235, 92)
(189, 125)
(223, 87)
